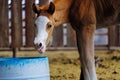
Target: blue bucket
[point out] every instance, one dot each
(32, 68)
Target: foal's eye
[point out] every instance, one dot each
(49, 25)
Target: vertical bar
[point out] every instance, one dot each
(110, 40)
(58, 36)
(16, 25)
(117, 31)
(30, 31)
(71, 36)
(4, 35)
(14, 52)
(113, 35)
(119, 35)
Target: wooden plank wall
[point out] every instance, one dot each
(17, 28)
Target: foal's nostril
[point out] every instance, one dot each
(40, 45)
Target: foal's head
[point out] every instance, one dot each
(44, 23)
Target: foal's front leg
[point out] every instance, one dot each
(85, 43)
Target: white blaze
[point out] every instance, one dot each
(50, 0)
(41, 37)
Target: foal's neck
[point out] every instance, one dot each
(61, 11)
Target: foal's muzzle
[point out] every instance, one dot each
(38, 45)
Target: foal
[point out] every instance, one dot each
(83, 15)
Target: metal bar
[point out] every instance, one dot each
(14, 52)
(30, 30)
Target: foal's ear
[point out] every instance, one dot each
(51, 8)
(36, 8)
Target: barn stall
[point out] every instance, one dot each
(17, 33)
